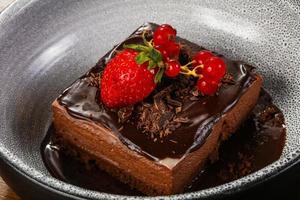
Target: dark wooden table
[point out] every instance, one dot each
(6, 193)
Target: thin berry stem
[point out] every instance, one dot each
(186, 71)
(185, 67)
(151, 43)
(190, 73)
(161, 64)
(147, 43)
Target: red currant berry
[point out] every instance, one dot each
(207, 86)
(202, 56)
(163, 51)
(172, 49)
(214, 68)
(172, 68)
(163, 34)
(159, 38)
(168, 28)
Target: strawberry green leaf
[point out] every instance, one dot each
(141, 58)
(155, 55)
(137, 47)
(152, 64)
(159, 75)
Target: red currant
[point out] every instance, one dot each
(202, 56)
(169, 50)
(207, 86)
(172, 68)
(172, 49)
(163, 51)
(168, 28)
(163, 34)
(214, 68)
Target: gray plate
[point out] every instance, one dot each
(45, 45)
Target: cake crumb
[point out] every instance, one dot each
(125, 113)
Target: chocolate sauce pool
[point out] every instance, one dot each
(258, 142)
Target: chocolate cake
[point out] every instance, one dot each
(158, 145)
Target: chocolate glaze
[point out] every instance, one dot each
(258, 142)
(82, 100)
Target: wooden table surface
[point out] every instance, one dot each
(6, 193)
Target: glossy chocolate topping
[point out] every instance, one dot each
(182, 117)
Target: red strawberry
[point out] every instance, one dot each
(124, 82)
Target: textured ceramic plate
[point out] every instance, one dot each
(45, 45)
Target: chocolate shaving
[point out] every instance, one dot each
(173, 102)
(160, 118)
(94, 79)
(178, 110)
(228, 79)
(195, 92)
(182, 120)
(193, 98)
(125, 113)
(121, 128)
(153, 119)
(271, 116)
(173, 141)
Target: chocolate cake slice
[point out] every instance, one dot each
(158, 145)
